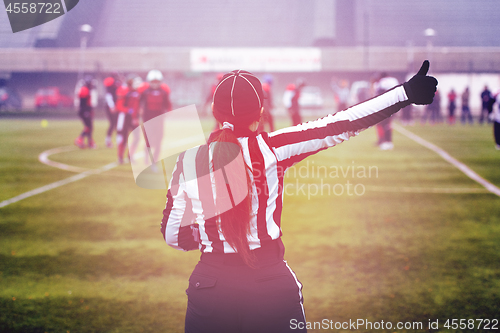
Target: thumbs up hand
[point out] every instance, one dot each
(421, 88)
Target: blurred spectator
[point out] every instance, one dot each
(496, 123)
(487, 100)
(433, 110)
(4, 96)
(452, 96)
(406, 115)
(466, 115)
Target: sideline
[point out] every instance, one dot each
(43, 157)
(447, 157)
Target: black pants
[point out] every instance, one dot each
(112, 117)
(466, 115)
(485, 113)
(224, 295)
(87, 119)
(496, 132)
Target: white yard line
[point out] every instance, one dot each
(447, 157)
(43, 157)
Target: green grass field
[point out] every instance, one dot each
(89, 256)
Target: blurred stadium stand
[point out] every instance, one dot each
(356, 37)
(264, 23)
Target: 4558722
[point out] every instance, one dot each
(470, 324)
(34, 7)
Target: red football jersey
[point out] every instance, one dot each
(121, 92)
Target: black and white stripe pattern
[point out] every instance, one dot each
(268, 156)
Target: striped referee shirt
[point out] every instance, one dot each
(188, 222)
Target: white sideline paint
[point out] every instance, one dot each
(82, 172)
(447, 157)
(44, 158)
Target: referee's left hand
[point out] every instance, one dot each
(421, 88)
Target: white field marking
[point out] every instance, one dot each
(447, 157)
(83, 173)
(58, 184)
(44, 158)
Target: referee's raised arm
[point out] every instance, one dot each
(295, 143)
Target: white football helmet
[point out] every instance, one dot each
(154, 75)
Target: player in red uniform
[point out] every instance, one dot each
(210, 95)
(155, 96)
(155, 101)
(267, 116)
(294, 108)
(127, 105)
(209, 99)
(111, 83)
(86, 113)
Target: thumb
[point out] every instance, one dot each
(424, 69)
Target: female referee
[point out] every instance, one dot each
(225, 199)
